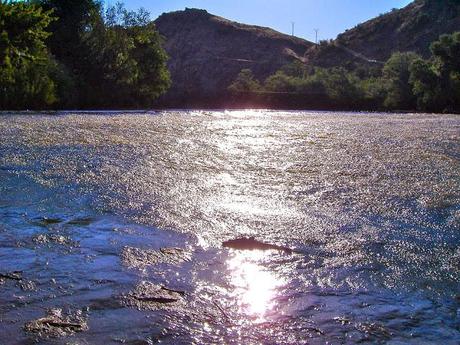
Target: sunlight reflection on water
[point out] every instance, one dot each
(369, 203)
(255, 286)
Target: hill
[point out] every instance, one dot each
(207, 52)
(411, 28)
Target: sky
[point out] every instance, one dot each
(331, 17)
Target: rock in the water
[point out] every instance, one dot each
(16, 275)
(250, 243)
(151, 296)
(58, 239)
(55, 324)
(45, 221)
(81, 221)
(140, 258)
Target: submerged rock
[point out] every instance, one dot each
(27, 285)
(250, 243)
(140, 258)
(16, 275)
(81, 221)
(55, 324)
(45, 221)
(58, 239)
(151, 296)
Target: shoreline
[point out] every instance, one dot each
(172, 109)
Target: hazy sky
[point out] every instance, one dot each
(331, 17)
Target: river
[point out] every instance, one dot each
(99, 210)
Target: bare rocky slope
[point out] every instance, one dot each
(412, 28)
(207, 53)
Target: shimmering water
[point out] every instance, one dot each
(369, 202)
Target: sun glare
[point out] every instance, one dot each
(255, 287)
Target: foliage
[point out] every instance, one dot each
(405, 82)
(126, 63)
(245, 82)
(396, 75)
(24, 60)
(339, 84)
(88, 58)
(446, 62)
(425, 85)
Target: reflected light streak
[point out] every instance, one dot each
(255, 286)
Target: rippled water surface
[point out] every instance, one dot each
(118, 219)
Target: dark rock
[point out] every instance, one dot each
(151, 296)
(140, 258)
(16, 275)
(250, 243)
(45, 221)
(55, 324)
(81, 221)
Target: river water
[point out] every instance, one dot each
(370, 204)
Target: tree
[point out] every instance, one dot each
(74, 17)
(446, 52)
(126, 64)
(425, 85)
(340, 85)
(111, 58)
(245, 82)
(24, 60)
(280, 82)
(396, 75)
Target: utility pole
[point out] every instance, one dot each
(293, 27)
(316, 38)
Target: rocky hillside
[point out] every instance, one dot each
(411, 28)
(207, 53)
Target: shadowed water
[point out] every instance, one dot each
(370, 203)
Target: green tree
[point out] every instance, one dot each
(111, 58)
(396, 75)
(126, 64)
(281, 82)
(426, 86)
(74, 18)
(446, 53)
(25, 64)
(340, 85)
(245, 82)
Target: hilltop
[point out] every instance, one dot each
(207, 52)
(411, 28)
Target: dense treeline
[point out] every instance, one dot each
(405, 82)
(78, 54)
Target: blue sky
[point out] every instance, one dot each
(331, 17)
